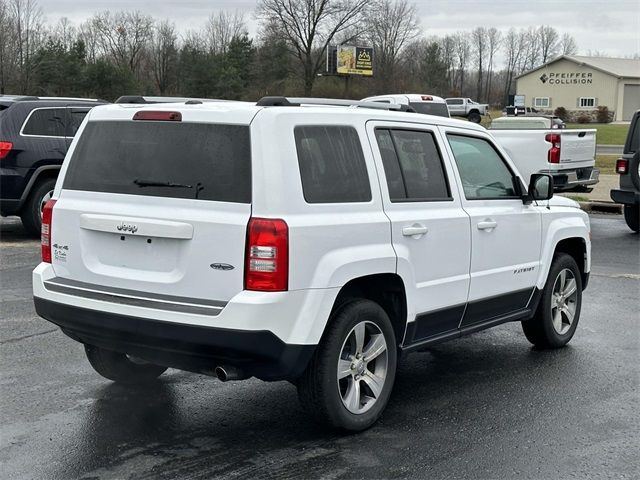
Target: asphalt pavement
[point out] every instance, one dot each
(484, 407)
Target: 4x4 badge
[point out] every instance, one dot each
(125, 227)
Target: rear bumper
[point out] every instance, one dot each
(626, 197)
(189, 347)
(271, 335)
(578, 177)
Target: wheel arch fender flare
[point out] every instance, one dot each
(559, 230)
(37, 175)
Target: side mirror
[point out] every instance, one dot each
(540, 186)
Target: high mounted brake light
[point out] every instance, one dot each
(267, 255)
(157, 116)
(428, 98)
(5, 148)
(622, 166)
(554, 152)
(45, 231)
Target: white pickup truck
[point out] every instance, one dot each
(467, 108)
(567, 155)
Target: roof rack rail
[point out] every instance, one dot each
(72, 99)
(144, 99)
(336, 102)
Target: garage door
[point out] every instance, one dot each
(631, 101)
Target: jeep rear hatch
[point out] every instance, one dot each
(157, 207)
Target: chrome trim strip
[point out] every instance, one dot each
(134, 298)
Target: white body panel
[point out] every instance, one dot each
(529, 150)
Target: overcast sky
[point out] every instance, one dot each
(608, 26)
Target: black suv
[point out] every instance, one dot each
(35, 133)
(628, 166)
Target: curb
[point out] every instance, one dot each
(601, 207)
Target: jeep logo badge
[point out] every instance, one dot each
(125, 227)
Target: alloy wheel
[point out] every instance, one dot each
(564, 301)
(362, 367)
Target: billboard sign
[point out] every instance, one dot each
(354, 60)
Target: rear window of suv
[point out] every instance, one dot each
(163, 159)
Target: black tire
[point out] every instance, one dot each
(31, 213)
(119, 368)
(318, 387)
(474, 117)
(632, 217)
(540, 330)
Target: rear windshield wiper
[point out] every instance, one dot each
(153, 183)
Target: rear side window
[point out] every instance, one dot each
(454, 101)
(439, 109)
(634, 137)
(163, 159)
(332, 165)
(413, 165)
(45, 122)
(76, 116)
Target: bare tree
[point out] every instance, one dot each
(309, 26)
(164, 53)
(65, 32)
(549, 40)
(494, 38)
(221, 28)
(480, 41)
(448, 49)
(533, 49)
(568, 45)
(390, 26)
(7, 50)
(89, 35)
(124, 36)
(514, 44)
(27, 18)
(463, 52)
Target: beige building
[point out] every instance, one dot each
(582, 84)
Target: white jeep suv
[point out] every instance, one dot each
(313, 244)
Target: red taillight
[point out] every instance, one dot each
(5, 148)
(554, 152)
(267, 255)
(158, 116)
(428, 98)
(622, 166)
(45, 231)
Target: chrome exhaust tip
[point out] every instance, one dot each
(226, 373)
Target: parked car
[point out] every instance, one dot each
(527, 122)
(516, 111)
(309, 243)
(465, 107)
(569, 156)
(628, 167)
(427, 104)
(35, 134)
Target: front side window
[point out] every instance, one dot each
(586, 102)
(541, 102)
(332, 165)
(45, 122)
(483, 173)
